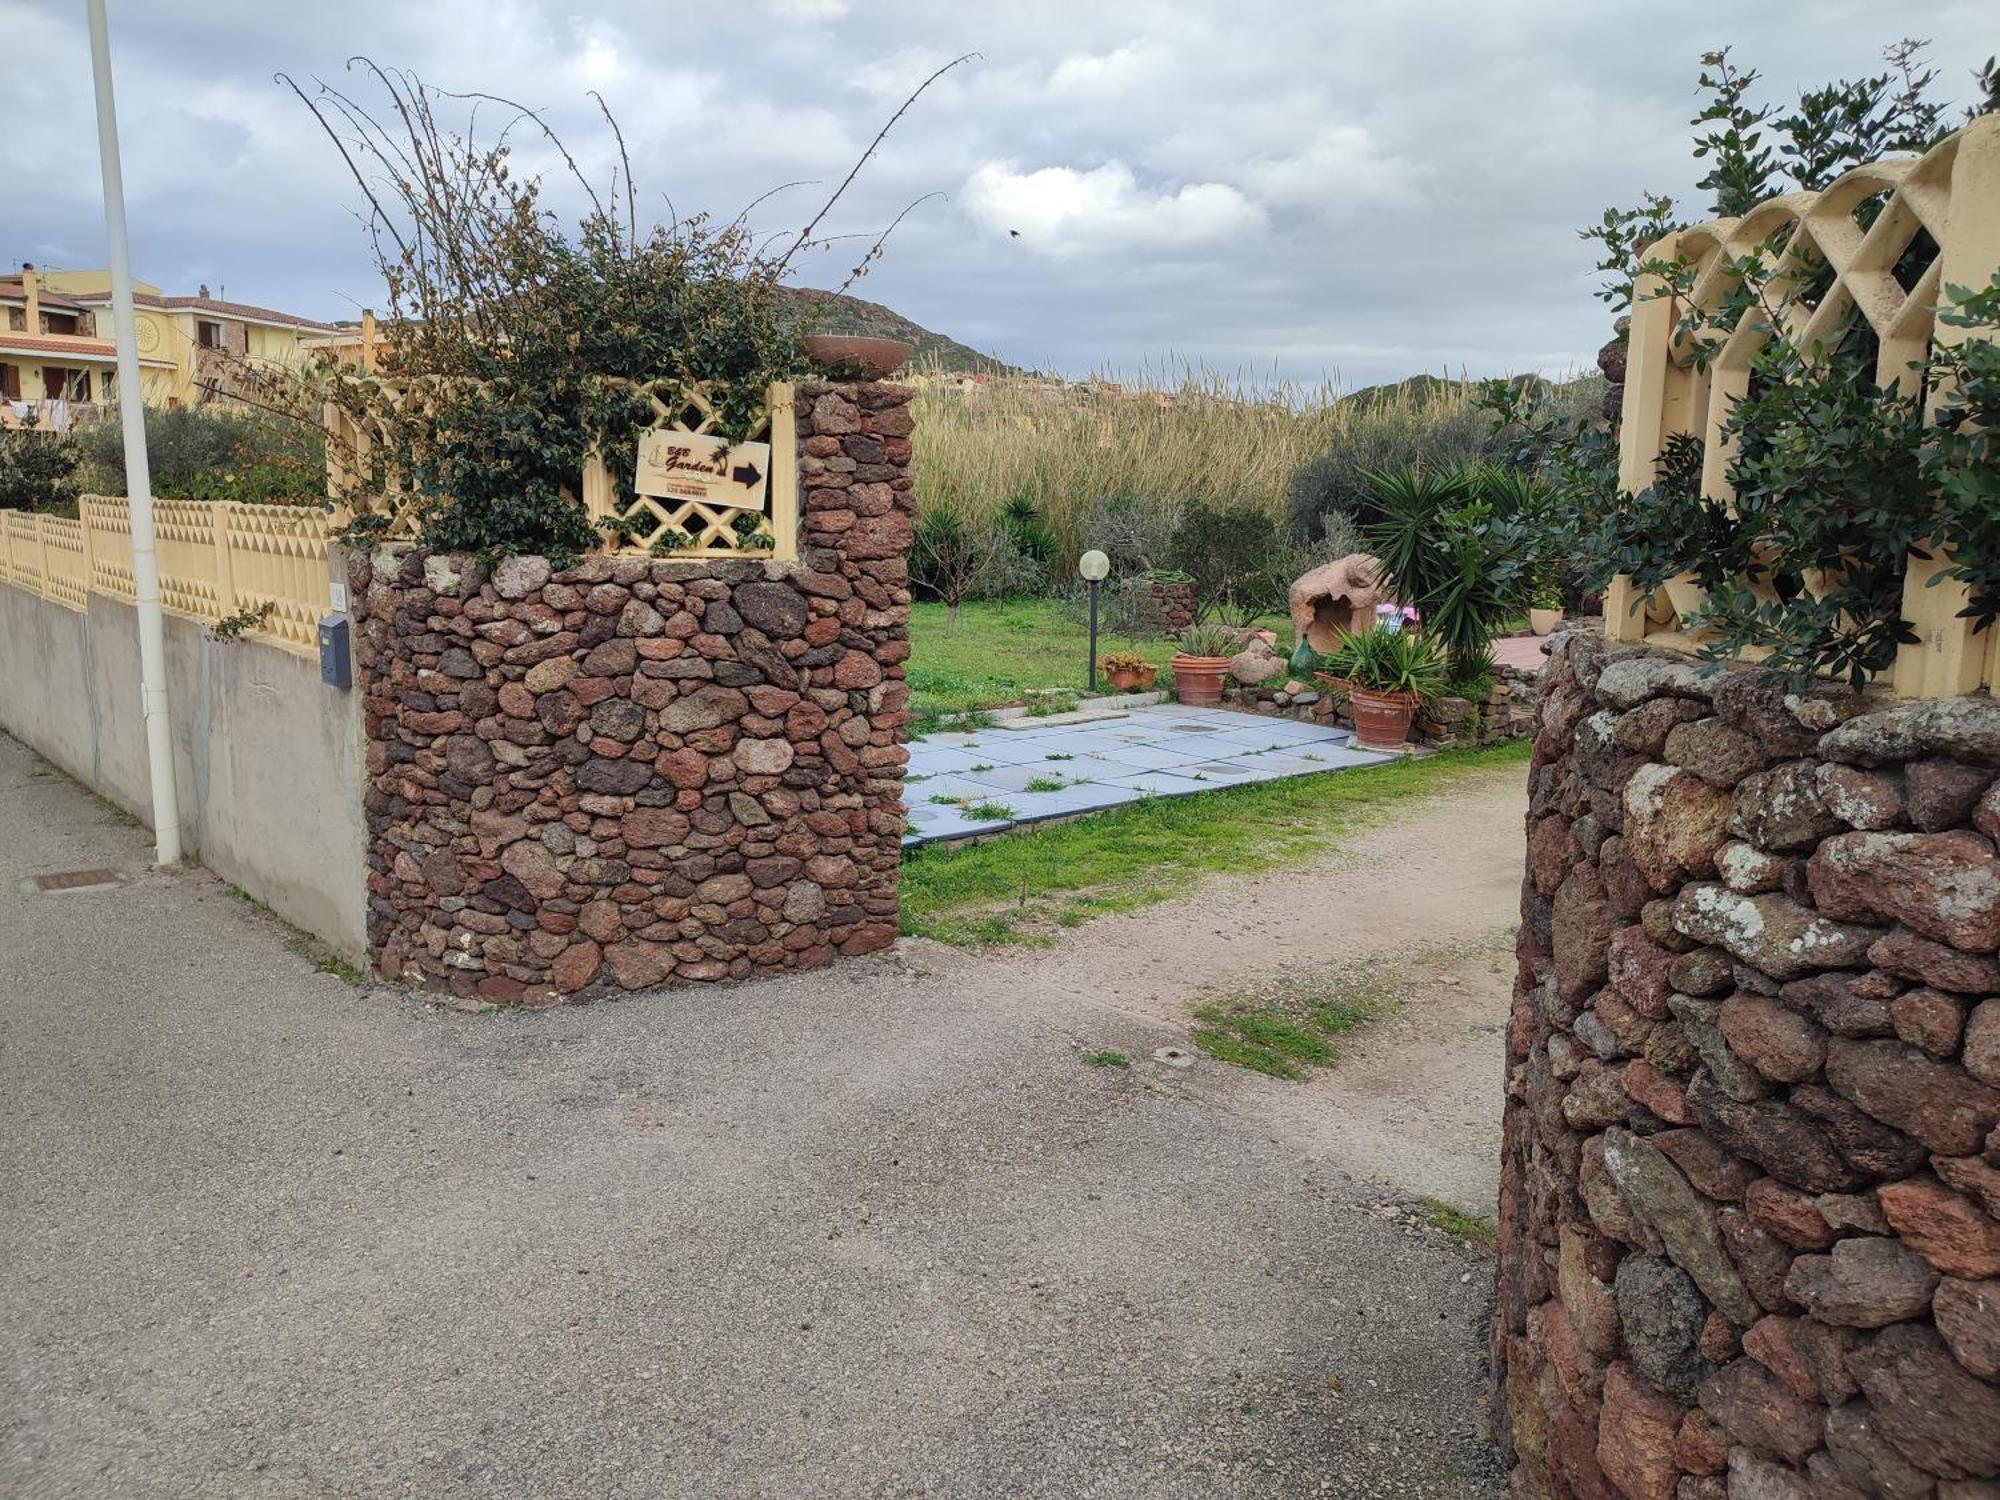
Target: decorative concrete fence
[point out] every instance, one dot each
(217, 558)
(1951, 195)
(632, 771)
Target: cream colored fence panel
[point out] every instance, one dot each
(277, 554)
(361, 478)
(24, 549)
(216, 559)
(65, 562)
(109, 523)
(184, 531)
(1952, 195)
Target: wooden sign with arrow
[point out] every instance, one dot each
(696, 466)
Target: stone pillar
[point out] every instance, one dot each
(634, 772)
(1750, 1197)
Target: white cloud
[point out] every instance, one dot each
(1341, 165)
(1061, 212)
(1112, 72)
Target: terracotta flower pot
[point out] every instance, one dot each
(1542, 621)
(1137, 679)
(1198, 679)
(1381, 720)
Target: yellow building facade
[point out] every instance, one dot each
(58, 365)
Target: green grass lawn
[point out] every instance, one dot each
(1002, 650)
(1018, 888)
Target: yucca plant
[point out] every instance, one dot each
(1381, 660)
(1209, 638)
(1460, 557)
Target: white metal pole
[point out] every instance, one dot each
(138, 476)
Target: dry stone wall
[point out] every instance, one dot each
(634, 772)
(1750, 1206)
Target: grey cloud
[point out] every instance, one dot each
(1307, 189)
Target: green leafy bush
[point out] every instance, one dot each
(1236, 557)
(1837, 479)
(524, 336)
(38, 471)
(1033, 537)
(1437, 430)
(214, 452)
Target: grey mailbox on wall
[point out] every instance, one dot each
(336, 662)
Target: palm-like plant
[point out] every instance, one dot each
(1399, 662)
(1460, 556)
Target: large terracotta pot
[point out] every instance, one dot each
(1381, 720)
(1542, 621)
(1198, 679)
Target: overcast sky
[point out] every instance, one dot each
(1351, 190)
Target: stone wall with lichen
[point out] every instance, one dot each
(1750, 1206)
(634, 772)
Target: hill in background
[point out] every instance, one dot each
(833, 312)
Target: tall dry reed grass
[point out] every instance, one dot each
(1202, 437)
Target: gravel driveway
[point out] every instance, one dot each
(873, 1232)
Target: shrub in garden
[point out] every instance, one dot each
(1236, 557)
(1136, 535)
(956, 557)
(38, 472)
(1436, 426)
(524, 336)
(1033, 537)
(214, 452)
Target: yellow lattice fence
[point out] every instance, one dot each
(1951, 195)
(366, 474)
(216, 558)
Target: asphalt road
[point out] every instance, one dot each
(868, 1233)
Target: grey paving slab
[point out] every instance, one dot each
(949, 786)
(1007, 779)
(1152, 757)
(1164, 750)
(1090, 797)
(950, 739)
(1204, 746)
(1159, 784)
(1237, 769)
(952, 823)
(1009, 750)
(937, 760)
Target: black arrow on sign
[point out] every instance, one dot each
(746, 475)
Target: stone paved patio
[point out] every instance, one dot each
(1161, 750)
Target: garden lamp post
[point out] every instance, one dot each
(1092, 567)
